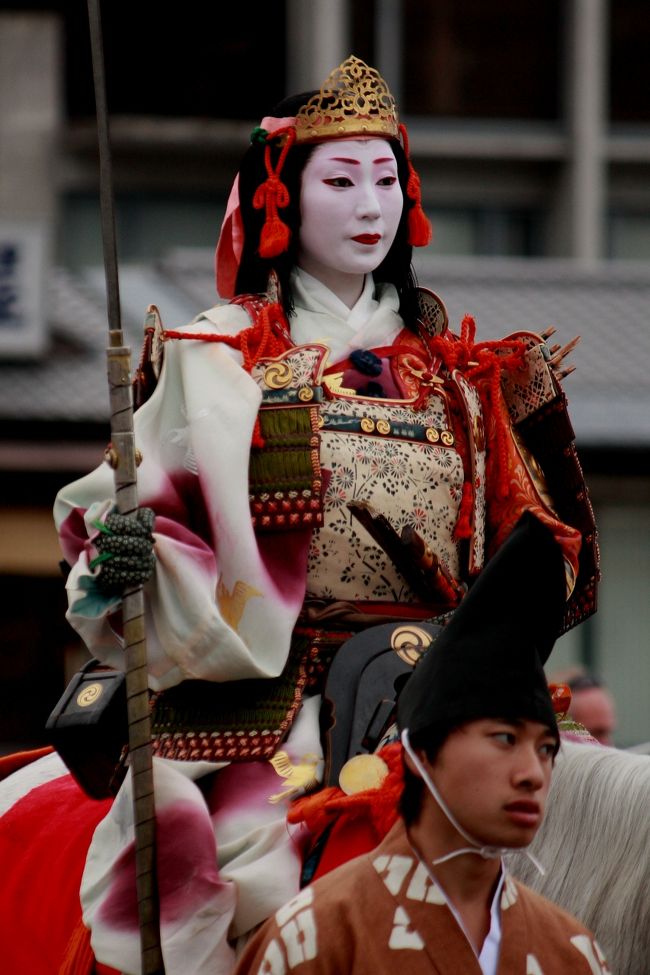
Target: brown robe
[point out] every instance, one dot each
(382, 913)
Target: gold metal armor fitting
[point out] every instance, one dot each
(353, 101)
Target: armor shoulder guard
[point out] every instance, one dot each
(431, 312)
(147, 373)
(538, 410)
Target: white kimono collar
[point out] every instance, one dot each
(322, 317)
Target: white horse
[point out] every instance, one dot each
(594, 844)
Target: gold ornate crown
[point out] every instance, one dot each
(353, 101)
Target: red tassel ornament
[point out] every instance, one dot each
(420, 231)
(273, 194)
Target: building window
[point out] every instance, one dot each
(629, 64)
(468, 58)
(211, 60)
(486, 231)
(629, 236)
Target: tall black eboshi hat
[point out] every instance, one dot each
(487, 662)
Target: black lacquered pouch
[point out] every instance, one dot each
(89, 728)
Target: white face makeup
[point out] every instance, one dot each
(350, 204)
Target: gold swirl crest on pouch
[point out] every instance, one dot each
(278, 375)
(89, 694)
(410, 642)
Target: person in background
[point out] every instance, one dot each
(592, 705)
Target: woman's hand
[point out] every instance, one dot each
(125, 545)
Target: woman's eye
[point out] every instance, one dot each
(387, 181)
(548, 749)
(338, 181)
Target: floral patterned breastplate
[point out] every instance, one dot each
(386, 440)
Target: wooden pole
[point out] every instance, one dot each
(124, 462)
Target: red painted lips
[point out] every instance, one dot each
(369, 239)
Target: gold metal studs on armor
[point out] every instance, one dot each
(367, 425)
(305, 394)
(278, 375)
(447, 438)
(432, 435)
(383, 427)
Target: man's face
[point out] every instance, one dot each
(494, 776)
(594, 708)
(350, 207)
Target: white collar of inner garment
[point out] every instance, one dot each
(488, 957)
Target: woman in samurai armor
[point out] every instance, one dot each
(321, 453)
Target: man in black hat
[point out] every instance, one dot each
(479, 736)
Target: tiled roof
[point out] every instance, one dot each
(609, 306)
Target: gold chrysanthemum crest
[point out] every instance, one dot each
(353, 101)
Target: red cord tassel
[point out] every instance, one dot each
(275, 235)
(420, 231)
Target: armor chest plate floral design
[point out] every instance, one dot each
(396, 456)
(402, 462)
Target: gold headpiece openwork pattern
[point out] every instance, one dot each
(353, 101)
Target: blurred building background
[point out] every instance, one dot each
(530, 126)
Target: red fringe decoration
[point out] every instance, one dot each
(79, 958)
(275, 235)
(482, 363)
(420, 232)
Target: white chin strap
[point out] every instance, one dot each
(479, 849)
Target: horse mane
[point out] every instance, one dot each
(594, 845)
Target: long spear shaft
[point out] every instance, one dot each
(123, 456)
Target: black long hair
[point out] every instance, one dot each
(254, 270)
